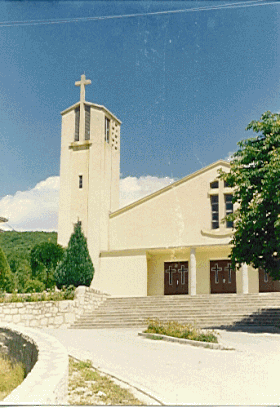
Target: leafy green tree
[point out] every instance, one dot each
(7, 283)
(44, 258)
(76, 266)
(255, 176)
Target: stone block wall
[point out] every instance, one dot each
(18, 347)
(46, 362)
(53, 314)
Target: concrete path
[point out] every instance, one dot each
(177, 374)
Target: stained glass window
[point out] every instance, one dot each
(229, 209)
(215, 211)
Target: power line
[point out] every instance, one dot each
(85, 19)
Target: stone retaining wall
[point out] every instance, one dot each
(46, 363)
(53, 314)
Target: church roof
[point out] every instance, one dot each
(94, 105)
(172, 185)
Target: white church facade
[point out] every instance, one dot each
(173, 241)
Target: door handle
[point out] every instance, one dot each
(177, 282)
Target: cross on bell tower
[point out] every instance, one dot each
(82, 83)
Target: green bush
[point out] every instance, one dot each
(76, 266)
(34, 285)
(69, 292)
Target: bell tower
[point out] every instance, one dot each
(89, 172)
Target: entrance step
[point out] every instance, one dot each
(201, 310)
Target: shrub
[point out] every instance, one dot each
(69, 292)
(183, 331)
(34, 286)
(76, 266)
(65, 294)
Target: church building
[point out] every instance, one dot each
(173, 241)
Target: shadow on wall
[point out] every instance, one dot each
(18, 348)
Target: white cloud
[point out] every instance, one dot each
(133, 188)
(33, 210)
(37, 209)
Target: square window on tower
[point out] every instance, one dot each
(107, 130)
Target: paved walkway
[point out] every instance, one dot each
(181, 374)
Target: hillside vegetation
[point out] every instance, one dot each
(21, 243)
(17, 247)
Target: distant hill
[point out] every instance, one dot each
(19, 244)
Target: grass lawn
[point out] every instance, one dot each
(11, 375)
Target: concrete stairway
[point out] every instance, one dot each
(201, 310)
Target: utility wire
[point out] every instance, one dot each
(85, 19)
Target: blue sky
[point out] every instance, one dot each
(185, 84)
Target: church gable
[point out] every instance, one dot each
(185, 213)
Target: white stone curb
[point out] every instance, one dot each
(47, 382)
(195, 343)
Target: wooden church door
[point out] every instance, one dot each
(176, 278)
(266, 283)
(222, 277)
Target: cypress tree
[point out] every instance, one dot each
(6, 276)
(76, 267)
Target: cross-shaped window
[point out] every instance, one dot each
(170, 271)
(183, 271)
(216, 269)
(229, 270)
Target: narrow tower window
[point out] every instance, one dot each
(215, 211)
(77, 123)
(80, 181)
(107, 130)
(229, 208)
(87, 122)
